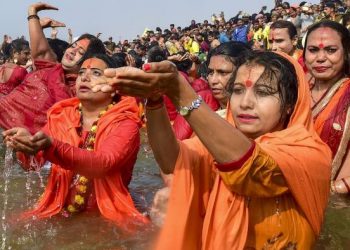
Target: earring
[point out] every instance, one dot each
(15, 60)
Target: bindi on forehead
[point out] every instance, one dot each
(88, 63)
(248, 82)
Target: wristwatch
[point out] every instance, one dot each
(185, 110)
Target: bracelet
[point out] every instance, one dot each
(33, 17)
(153, 105)
(195, 104)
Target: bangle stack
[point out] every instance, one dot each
(33, 17)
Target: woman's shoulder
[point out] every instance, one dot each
(64, 106)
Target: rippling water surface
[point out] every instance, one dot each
(21, 190)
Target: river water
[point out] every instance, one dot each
(19, 190)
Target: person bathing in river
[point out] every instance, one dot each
(92, 141)
(259, 179)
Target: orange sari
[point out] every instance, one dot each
(282, 189)
(113, 199)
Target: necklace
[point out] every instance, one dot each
(81, 183)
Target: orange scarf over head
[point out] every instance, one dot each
(204, 214)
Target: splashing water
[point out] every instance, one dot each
(6, 176)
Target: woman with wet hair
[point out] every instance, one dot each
(92, 141)
(13, 72)
(257, 179)
(51, 81)
(326, 54)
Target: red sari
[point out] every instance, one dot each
(18, 74)
(109, 166)
(332, 116)
(27, 104)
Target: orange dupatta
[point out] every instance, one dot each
(113, 199)
(204, 214)
(303, 157)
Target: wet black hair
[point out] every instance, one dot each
(16, 45)
(156, 54)
(277, 69)
(104, 57)
(119, 59)
(282, 24)
(232, 51)
(345, 40)
(184, 65)
(96, 46)
(58, 46)
(137, 58)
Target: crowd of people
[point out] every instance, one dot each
(248, 119)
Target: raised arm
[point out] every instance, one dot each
(225, 142)
(40, 48)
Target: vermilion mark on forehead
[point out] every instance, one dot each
(323, 31)
(248, 83)
(88, 63)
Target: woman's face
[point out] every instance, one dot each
(324, 54)
(91, 71)
(255, 102)
(74, 53)
(23, 56)
(220, 70)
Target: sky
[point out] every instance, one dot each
(122, 19)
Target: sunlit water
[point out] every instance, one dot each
(20, 190)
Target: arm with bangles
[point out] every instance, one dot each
(40, 48)
(224, 142)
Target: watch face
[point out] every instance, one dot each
(184, 111)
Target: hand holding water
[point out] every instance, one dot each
(22, 140)
(153, 81)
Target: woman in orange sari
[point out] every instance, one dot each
(327, 53)
(258, 180)
(92, 142)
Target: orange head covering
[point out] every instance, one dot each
(303, 157)
(204, 208)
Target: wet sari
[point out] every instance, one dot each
(27, 104)
(274, 197)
